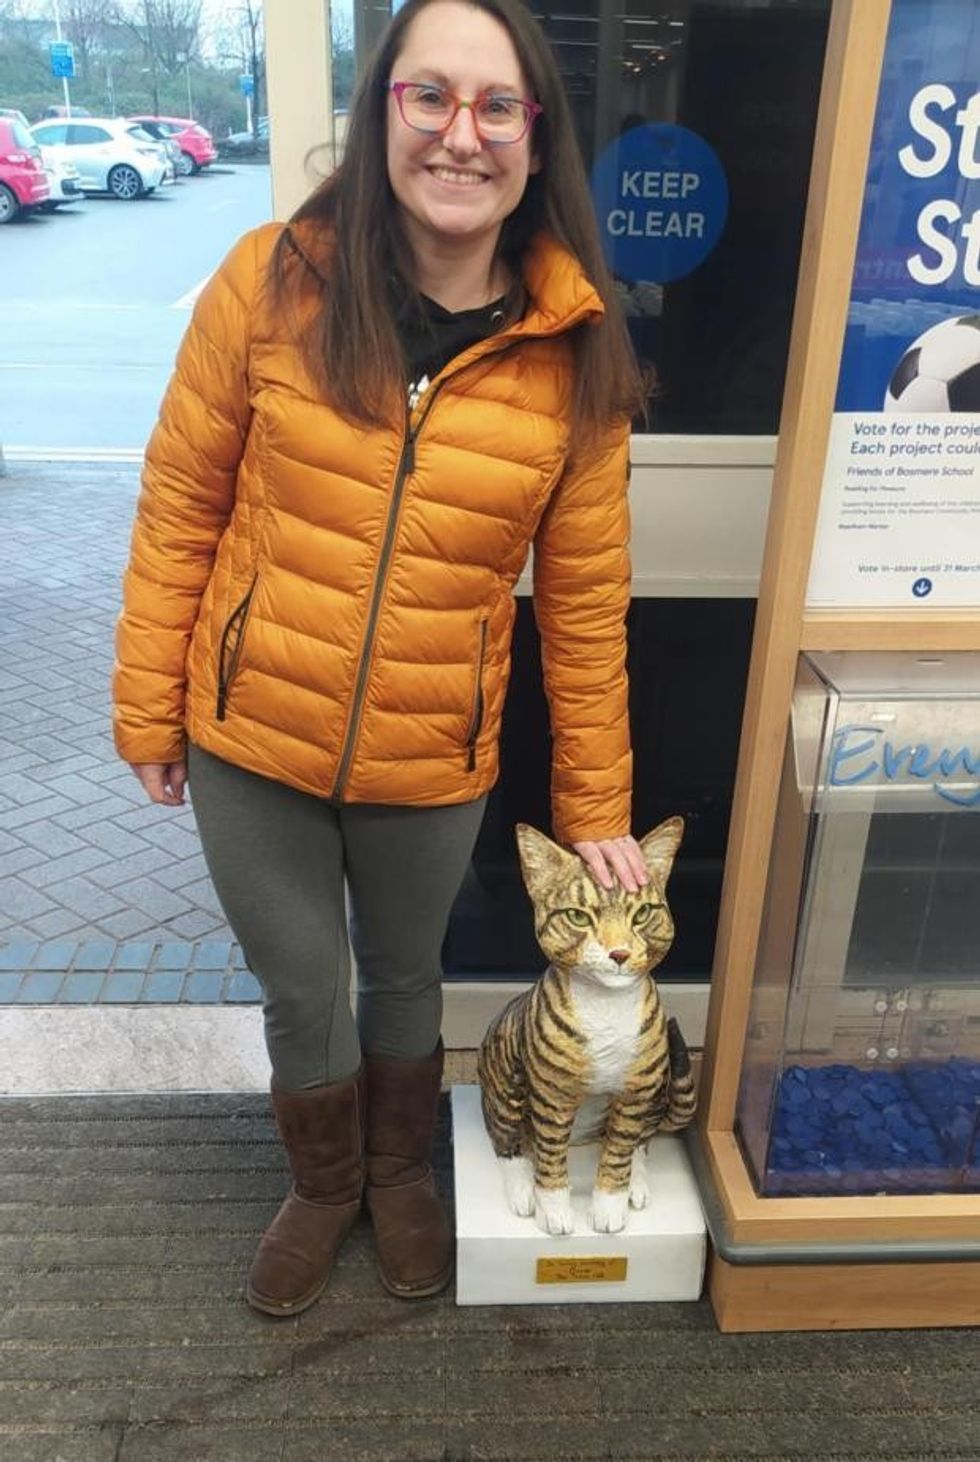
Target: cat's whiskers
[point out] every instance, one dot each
(607, 974)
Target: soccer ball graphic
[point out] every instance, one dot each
(940, 371)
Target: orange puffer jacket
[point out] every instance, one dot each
(331, 605)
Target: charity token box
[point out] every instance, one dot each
(862, 1060)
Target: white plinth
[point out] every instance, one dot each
(497, 1253)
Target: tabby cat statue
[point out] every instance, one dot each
(587, 1054)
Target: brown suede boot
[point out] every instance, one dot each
(411, 1227)
(322, 1129)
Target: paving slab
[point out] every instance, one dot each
(82, 855)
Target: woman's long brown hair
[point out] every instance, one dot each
(351, 343)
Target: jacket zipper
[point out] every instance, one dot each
(476, 718)
(406, 466)
(237, 619)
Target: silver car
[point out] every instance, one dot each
(62, 180)
(111, 155)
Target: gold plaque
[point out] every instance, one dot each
(592, 1269)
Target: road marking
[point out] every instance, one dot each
(22, 303)
(104, 308)
(75, 365)
(73, 454)
(186, 301)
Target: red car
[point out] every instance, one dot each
(23, 181)
(197, 150)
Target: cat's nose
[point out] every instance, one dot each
(619, 955)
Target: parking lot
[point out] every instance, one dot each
(95, 298)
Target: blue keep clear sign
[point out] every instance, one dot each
(661, 198)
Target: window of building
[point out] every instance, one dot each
(696, 121)
(664, 92)
(687, 666)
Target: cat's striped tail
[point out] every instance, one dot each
(683, 1100)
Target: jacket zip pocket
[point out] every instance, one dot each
(230, 649)
(476, 716)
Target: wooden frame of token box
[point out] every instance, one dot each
(815, 1263)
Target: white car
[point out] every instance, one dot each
(111, 155)
(63, 180)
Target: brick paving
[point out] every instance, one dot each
(102, 971)
(89, 871)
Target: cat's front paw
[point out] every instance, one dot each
(608, 1211)
(518, 1175)
(639, 1182)
(553, 1210)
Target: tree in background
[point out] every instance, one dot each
(176, 32)
(253, 45)
(83, 22)
(24, 69)
(168, 31)
(131, 56)
(342, 62)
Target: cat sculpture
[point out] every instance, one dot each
(587, 1054)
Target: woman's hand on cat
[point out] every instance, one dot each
(612, 859)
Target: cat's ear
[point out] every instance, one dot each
(660, 846)
(542, 861)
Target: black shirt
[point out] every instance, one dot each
(432, 337)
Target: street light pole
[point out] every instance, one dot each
(184, 59)
(151, 48)
(64, 79)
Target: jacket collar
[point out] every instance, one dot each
(560, 295)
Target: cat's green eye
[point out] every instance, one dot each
(644, 914)
(577, 917)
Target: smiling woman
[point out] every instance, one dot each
(467, 206)
(377, 410)
(457, 175)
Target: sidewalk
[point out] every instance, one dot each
(103, 897)
(117, 970)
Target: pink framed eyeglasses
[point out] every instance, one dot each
(430, 108)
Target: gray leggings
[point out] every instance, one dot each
(278, 859)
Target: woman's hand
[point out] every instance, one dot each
(162, 781)
(619, 858)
